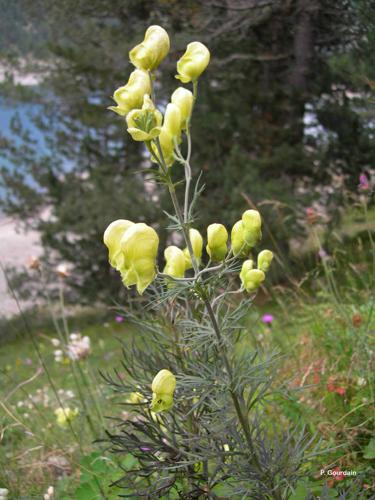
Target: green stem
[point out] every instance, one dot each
(188, 156)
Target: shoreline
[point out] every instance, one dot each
(16, 247)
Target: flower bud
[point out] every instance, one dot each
(163, 387)
(112, 238)
(130, 96)
(183, 99)
(175, 259)
(252, 224)
(144, 124)
(264, 260)
(154, 48)
(196, 241)
(170, 133)
(135, 398)
(217, 237)
(167, 147)
(193, 62)
(251, 278)
(197, 246)
(172, 120)
(139, 245)
(239, 246)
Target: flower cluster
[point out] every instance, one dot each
(50, 494)
(133, 247)
(76, 349)
(133, 250)
(144, 122)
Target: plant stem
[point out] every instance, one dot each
(184, 223)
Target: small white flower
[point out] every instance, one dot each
(62, 270)
(55, 342)
(361, 381)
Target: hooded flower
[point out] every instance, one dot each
(65, 415)
(144, 124)
(163, 387)
(183, 99)
(131, 95)
(112, 238)
(239, 246)
(252, 224)
(264, 260)
(197, 245)
(193, 62)
(175, 262)
(217, 237)
(139, 246)
(251, 278)
(149, 54)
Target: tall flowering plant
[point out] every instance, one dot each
(195, 391)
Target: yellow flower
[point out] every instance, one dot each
(65, 415)
(197, 246)
(239, 246)
(130, 96)
(175, 259)
(167, 147)
(183, 99)
(144, 124)
(112, 238)
(163, 387)
(154, 48)
(252, 224)
(135, 397)
(172, 121)
(251, 278)
(170, 133)
(139, 245)
(193, 62)
(217, 237)
(264, 260)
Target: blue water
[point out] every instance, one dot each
(24, 113)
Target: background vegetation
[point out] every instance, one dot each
(285, 117)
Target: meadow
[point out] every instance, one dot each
(323, 383)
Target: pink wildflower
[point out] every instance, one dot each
(267, 319)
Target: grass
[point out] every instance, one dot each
(35, 451)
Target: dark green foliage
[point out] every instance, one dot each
(271, 61)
